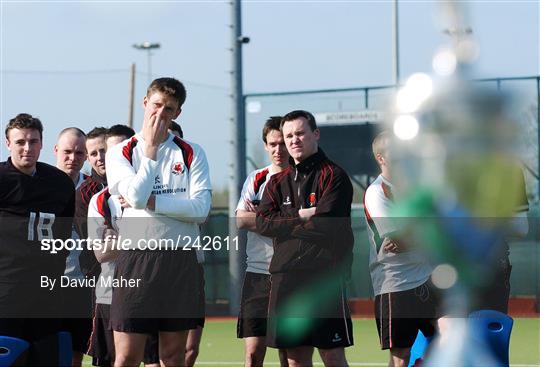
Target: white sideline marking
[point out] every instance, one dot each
(201, 363)
(314, 363)
(321, 364)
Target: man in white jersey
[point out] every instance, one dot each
(104, 210)
(70, 152)
(165, 187)
(405, 301)
(256, 289)
(195, 335)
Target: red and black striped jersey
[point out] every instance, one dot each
(259, 249)
(91, 186)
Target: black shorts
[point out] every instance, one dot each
(253, 314)
(307, 309)
(101, 346)
(202, 297)
(30, 329)
(30, 300)
(165, 297)
(28, 311)
(400, 315)
(80, 330)
(78, 320)
(46, 348)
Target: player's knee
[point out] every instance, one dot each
(171, 357)
(254, 354)
(400, 356)
(254, 359)
(191, 355)
(299, 358)
(126, 360)
(333, 357)
(400, 352)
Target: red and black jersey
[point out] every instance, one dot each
(326, 240)
(91, 186)
(33, 208)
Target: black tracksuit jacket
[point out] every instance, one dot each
(325, 241)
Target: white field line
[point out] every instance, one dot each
(277, 364)
(360, 364)
(365, 364)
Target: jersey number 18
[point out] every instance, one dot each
(43, 228)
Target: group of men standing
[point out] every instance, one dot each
(299, 255)
(156, 185)
(118, 325)
(298, 212)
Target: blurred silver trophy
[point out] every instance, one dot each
(458, 182)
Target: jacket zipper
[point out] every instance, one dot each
(297, 180)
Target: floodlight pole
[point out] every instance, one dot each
(396, 42)
(238, 155)
(131, 94)
(148, 47)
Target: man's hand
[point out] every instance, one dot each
(394, 246)
(151, 205)
(391, 246)
(154, 132)
(250, 207)
(305, 214)
(109, 236)
(110, 250)
(123, 202)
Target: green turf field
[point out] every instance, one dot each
(220, 348)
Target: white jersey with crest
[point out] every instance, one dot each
(180, 180)
(259, 249)
(390, 272)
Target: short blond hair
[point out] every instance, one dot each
(380, 144)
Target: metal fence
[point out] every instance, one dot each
(525, 255)
(259, 106)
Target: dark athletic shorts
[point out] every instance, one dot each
(202, 297)
(253, 305)
(102, 340)
(399, 315)
(30, 300)
(101, 346)
(29, 329)
(307, 309)
(78, 316)
(44, 350)
(80, 330)
(167, 296)
(28, 311)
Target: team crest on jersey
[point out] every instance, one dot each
(312, 199)
(178, 168)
